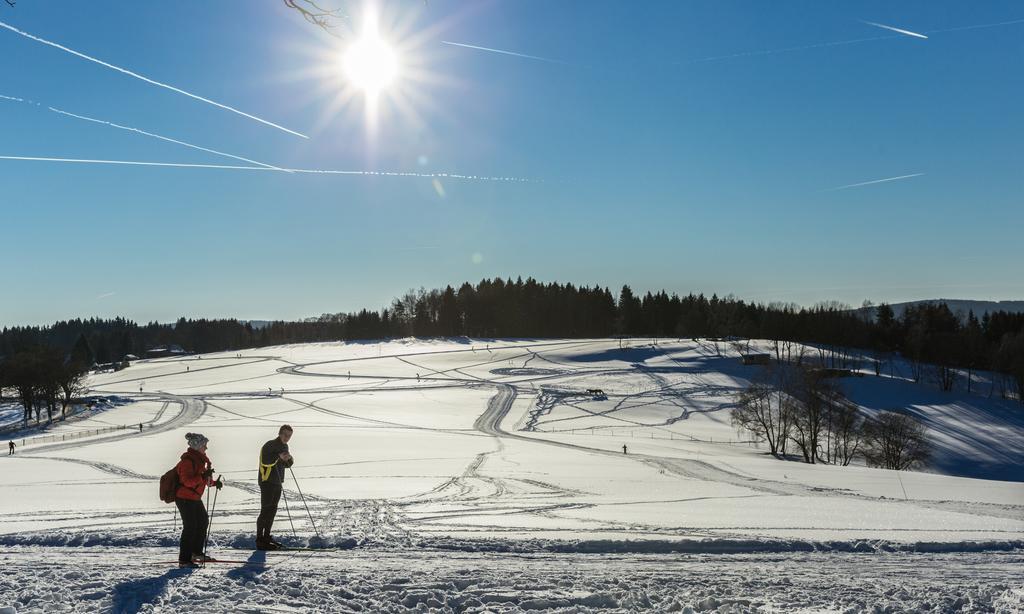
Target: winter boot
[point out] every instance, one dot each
(263, 543)
(199, 559)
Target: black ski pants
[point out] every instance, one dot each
(270, 496)
(194, 521)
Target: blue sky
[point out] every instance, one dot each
(661, 151)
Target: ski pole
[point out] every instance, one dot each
(298, 488)
(209, 520)
(285, 497)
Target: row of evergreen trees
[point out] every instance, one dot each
(926, 334)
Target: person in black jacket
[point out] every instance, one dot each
(274, 459)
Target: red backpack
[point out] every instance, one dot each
(169, 483)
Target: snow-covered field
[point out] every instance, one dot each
(472, 475)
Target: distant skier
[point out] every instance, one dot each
(140, 427)
(624, 450)
(195, 473)
(274, 458)
(11, 445)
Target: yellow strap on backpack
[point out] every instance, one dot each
(265, 469)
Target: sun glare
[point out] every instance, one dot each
(378, 67)
(371, 64)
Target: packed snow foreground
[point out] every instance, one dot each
(472, 475)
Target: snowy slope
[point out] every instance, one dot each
(434, 452)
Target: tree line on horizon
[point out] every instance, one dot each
(936, 342)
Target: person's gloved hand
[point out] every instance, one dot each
(208, 473)
(218, 484)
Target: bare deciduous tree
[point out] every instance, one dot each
(1009, 361)
(22, 373)
(327, 18)
(71, 380)
(763, 410)
(808, 396)
(845, 432)
(896, 441)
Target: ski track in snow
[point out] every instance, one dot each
(191, 410)
(397, 567)
(140, 580)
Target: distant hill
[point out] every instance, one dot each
(979, 308)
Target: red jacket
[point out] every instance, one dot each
(190, 475)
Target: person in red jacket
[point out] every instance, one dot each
(195, 473)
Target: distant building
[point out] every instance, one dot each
(827, 372)
(756, 359)
(165, 351)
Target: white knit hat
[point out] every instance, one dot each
(196, 440)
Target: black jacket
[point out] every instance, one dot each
(269, 455)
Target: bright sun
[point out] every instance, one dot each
(374, 69)
(371, 64)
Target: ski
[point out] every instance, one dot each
(219, 562)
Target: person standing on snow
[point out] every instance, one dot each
(10, 444)
(195, 473)
(274, 459)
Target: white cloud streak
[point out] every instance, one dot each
(308, 171)
(512, 53)
(147, 79)
(744, 54)
(980, 26)
(900, 30)
(162, 138)
(856, 185)
(852, 41)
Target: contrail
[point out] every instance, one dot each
(163, 138)
(977, 27)
(901, 31)
(143, 132)
(513, 53)
(134, 163)
(852, 41)
(855, 185)
(743, 54)
(311, 171)
(147, 79)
